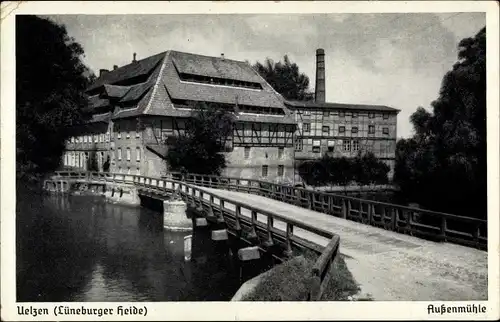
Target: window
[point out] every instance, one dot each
(128, 134)
(298, 145)
(385, 130)
(90, 138)
(72, 139)
(281, 170)
(264, 170)
(307, 127)
(128, 154)
(346, 144)
(326, 113)
(341, 129)
(96, 138)
(355, 145)
(307, 112)
(280, 153)
(371, 129)
(316, 146)
(386, 116)
(138, 154)
(119, 133)
(107, 136)
(113, 157)
(119, 153)
(371, 115)
(341, 114)
(137, 132)
(354, 129)
(354, 115)
(85, 139)
(326, 129)
(138, 172)
(331, 145)
(247, 152)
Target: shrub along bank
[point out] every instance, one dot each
(291, 281)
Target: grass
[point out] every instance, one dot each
(291, 280)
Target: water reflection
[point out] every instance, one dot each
(83, 249)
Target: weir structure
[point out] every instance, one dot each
(273, 216)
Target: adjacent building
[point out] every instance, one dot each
(342, 129)
(139, 108)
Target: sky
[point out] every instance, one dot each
(392, 59)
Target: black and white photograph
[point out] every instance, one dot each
(158, 156)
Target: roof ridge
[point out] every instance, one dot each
(157, 81)
(207, 56)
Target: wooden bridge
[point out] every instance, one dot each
(380, 240)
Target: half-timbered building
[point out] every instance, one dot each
(138, 109)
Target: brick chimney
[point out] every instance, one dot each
(134, 60)
(115, 67)
(103, 71)
(320, 76)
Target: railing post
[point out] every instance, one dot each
(237, 212)
(344, 209)
(253, 231)
(476, 234)
(443, 228)
(269, 242)
(220, 218)
(394, 219)
(210, 213)
(289, 233)
(370, 213)
(199, 208)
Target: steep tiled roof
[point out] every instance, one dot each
(116, 91)
(100, 118)
(317, 105)
(154, 96)
(138, 68)
(213, 67)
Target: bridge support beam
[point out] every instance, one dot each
(248, 253)
(175, 216)
(201, 222)
(219, 234)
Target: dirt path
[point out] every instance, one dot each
(387, 265)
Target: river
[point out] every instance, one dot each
(80, 248)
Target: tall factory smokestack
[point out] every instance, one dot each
(320, 76)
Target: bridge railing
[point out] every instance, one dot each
(273, 228)
(417, 222)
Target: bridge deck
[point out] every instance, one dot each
(388, 265)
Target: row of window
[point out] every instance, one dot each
(265, 170)
(346, 145)
(127, 154)
(371, 115)
(90, 138)
(326, 129)
(96, 138)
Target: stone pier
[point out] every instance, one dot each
(175, 216)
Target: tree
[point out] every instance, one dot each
(443, 166)
(50, 81)
(285, 78)
(201, 149)
(369, 170)
(105, 166)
